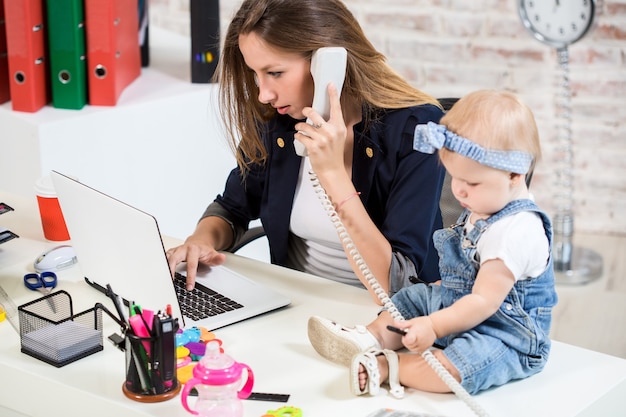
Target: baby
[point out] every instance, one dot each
(488, 320)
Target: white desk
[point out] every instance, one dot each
(576, 382)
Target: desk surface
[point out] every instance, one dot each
(576, 382)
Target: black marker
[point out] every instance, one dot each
(261, 396)
(258, 396)
(402, 332)
(165, 332)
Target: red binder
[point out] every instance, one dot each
(4, 61)
(113, 54)
(26, 47)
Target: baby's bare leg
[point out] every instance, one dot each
(386, 338)
(416, 373)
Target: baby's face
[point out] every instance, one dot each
(482, 190)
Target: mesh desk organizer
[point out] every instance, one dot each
(52, 332)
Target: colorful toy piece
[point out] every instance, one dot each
(185, 373)
(181, 352)
(286, 411)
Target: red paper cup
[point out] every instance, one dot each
(52, 220)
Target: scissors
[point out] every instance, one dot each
(43, 282)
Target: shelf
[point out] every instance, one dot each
(161, 148)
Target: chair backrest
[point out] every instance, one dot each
(449, 206)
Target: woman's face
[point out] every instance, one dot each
(284, 79)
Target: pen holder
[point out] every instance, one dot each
(150, 367)
(51, 332)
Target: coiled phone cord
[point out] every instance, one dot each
(347, 242)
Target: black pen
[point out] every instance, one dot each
(141, 365)
(394, 329)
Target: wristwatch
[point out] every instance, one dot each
(557, 23)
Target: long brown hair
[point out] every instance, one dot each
(301, 26)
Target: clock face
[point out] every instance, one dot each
(557, 23)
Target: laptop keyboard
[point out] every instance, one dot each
(201, 302)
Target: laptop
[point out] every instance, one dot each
(120, 245)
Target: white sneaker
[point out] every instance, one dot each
(338, 343)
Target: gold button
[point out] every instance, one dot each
(369, 152)
(280, 142)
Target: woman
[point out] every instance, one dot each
(385, 193)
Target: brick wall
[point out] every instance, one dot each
(451, 47)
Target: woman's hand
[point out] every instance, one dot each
(324, 140)
(200, 247)
(193, 251)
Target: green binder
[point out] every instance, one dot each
(66, 43)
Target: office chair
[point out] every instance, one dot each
(449, 206)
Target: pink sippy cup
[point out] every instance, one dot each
(217, 378)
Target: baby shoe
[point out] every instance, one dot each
(338, 343)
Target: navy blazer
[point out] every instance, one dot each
(400, 188)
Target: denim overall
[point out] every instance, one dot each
(513, 343)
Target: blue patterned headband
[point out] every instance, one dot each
(432, 136)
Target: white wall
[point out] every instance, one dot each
(160, 148)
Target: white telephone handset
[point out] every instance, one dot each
(327, 65)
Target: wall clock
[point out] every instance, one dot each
(557, 23)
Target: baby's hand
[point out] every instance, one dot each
(420, 335)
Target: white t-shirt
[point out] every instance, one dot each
(519, 241)
(316, 248)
